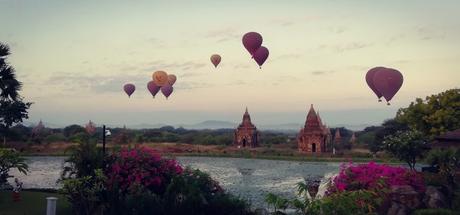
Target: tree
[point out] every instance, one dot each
(10, 159)
(434, 115)
(389, 127)
(72, 130)
(12, 109)
(406, 146)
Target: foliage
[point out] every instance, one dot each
(352, 202)
(195, 191)
(10, 159)
(72, 130)
(58, 137)
(447, 161)
(278, 203)
(376, 177)
(86, 193)
(12, 109)
(437, 211)
(389, 127)
(407, 146)
(141, 166)
(345, 202)
(434, 115)
(140, 181)
(83, 160)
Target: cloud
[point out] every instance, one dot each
(395, 38)
(344, 47)
(192, 85)
(322, 72)
(426, 33)
(282, 22)
(224, 34)
(287, 56)
(337, 30)
(170, 66)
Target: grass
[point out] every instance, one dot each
(32, 203)
(292, 158)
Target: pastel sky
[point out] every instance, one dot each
(73, 57)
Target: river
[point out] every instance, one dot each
(248, 178)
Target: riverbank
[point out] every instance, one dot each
(277, 152)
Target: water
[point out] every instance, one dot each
(248, 178)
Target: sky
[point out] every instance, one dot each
(73, 57)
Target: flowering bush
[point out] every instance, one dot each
(141, 166)
(372, 176)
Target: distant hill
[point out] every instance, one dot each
(209, 124)
(212, 124)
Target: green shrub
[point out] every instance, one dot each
(447, 161)
(10, 159)
(86, 193)
(58, 137)
(437, 211)
(84, 159)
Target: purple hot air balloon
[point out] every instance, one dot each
(129, 89)
(261, 55)
(252, 41)
(388, 82)
(167, 90)
(370, 80)
(153, 88)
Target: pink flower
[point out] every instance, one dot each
(142, 166)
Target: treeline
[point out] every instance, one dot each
(73, 133)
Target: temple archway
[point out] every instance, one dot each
(244, 142)
(313, 147)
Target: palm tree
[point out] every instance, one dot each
(9, 86)
(12, 108)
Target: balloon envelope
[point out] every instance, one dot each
(153, 88)
(261, 55)
(215, 59)
(388, 82)
(160, 78)
(167, 90)
(370, 80)
(252, 41)
(129, 89)
(172, 79)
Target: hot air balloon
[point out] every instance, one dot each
(215, 59)
(129, 89)
(261, 55)
(388, 82)
(153, 88)
(370, 80)
(171, 79)
(160, 78)
(252, 41)
(167, 90)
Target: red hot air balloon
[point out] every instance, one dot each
(388, 82)
(129, 89)
(153, 88)
(167, 90)
(172, 79)
(261, 55)
(252, 41)
(370, 80)
(215, 59)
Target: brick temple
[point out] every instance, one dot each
(246, 134)
(314, 137)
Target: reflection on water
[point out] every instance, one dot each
(248, 178)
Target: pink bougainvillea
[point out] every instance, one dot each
(372, 176)
(141, 166)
